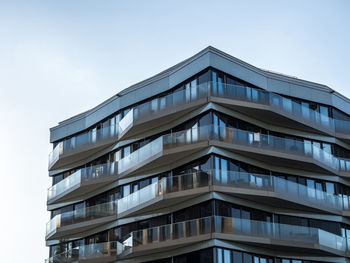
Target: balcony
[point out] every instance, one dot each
(272, 149)
(77, 221)
(82, 145)
(286, 152)
(94, 253)
(344, 167)
(269, 189)
(271, 107)
(257, 103)
(149, 156)
(172, 236)
(166, 192)
(234, 229)
(278, 192)
(162, 110)
(342, 129)
(70, 223)
(177, 189)
(165, 149)
(81, 182)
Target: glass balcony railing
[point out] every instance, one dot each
(164, 186)
(82, 141)
(145, 110)
(205, 133)
(235, 136)
(288, 190)
(278, 103)
(169, 102)
(156, 106)
(239, 227)
(81, 175)
(230, 228)
(146, 194)
(80, 215)
(251, 139)
(127, 121)
(55, 154)
(230, 135)
(139, 156)
(139, 197)
(98, 251)
(342, 126)
(344, 165)
(281, 104)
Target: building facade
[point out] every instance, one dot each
(212, 160)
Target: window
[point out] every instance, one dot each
(126, 190)
(247, 258)
(126, 151)
(144, 183)
(227, 256)
(237, 257)
(135, 187)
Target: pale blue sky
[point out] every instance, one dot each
(59, 58)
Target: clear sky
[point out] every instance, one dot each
(61, 57)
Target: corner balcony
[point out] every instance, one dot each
(271, 107)
(82, 182)
(75, 222)
(81, 146)
(257, 103)
(277, 192)
(162, 110)
(94, 253)
(172, 236)
(272, 149)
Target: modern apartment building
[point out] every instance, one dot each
(211, 160)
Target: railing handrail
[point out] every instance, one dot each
(84, 209)
(313, 151)
(274, 232)
(208, 84)
(211, 173)
(81, 172)
(234, 218)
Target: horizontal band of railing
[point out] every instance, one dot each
(133, 233)
(274, 229)
(215, 132)
(91, 172)
(91, 137)
(116, 126)
(112, 207)
(252, 97)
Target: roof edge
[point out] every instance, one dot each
(178, 66)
